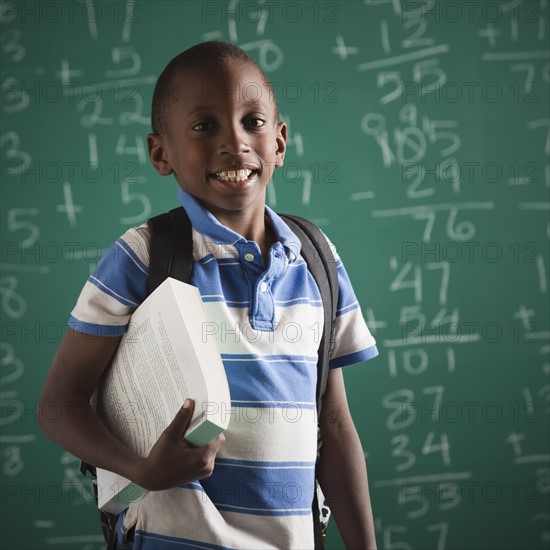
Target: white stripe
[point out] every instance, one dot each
(246, 340)
(260, 401)
(298, 299)
(129, 256)
(271, 437)
(347, 307)
(115, 293)
(97, 307)
(314, 362)
(138, 240)
(267, 467)
(263, 509)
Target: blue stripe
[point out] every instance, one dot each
(262, 463)
(273, 491)
(293, 287)
(128, 249)
(347, 300)
(255, 512)
(299, 301)
(220, 285)
(273, 405)
(294, 284)
(259, 380)
(353, 358)
(229, 261)
(97, 330)
(347, 309)
(237, 356)
(122, 277)
(113, 294)
(154, 541)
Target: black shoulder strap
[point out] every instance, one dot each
(171, 248)
(322, 265)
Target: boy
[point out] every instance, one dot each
(216, 128)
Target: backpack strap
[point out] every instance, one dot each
(322, 265)
(171, 250)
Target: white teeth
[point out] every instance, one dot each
(232, 175)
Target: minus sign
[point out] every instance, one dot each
(43, 523)
(363, 195)
(17, 438)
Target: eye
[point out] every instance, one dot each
(254, 122)
(203, 126)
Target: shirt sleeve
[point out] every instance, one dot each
(116, 288)
(353, 341)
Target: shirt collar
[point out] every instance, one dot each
(206, 224)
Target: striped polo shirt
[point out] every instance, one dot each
(268, 323)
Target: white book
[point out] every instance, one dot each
(165, 357)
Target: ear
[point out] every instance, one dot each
(281, 144)
(158, 155)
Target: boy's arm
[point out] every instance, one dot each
(64, 414)
(342, 472)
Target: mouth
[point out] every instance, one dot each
(236, 179)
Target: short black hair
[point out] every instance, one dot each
(204, 54)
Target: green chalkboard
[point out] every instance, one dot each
(419, 142)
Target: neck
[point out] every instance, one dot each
(253, 226)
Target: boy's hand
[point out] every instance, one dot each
(172, 461)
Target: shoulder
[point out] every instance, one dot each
(135, 242)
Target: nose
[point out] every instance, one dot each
(234, 140)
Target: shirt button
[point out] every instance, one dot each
(249, 257)
(263, 287)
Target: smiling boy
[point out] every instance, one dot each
(216, 128)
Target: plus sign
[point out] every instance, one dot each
(372, 323)
(65, 73)
(341, 49)
(525, 316)
(69, 207)
(490, 33)
(514, 438)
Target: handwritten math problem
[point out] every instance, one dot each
(418, 139)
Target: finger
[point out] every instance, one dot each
(217, 443)
(181, 421)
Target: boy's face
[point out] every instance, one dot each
(222, 141)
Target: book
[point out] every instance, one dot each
(165, 356)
